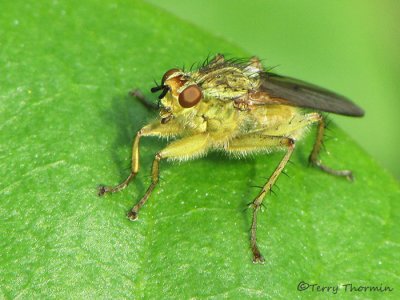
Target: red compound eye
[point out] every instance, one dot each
(190, 96)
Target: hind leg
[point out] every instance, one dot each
(313, 158)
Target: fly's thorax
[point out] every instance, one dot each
(220, 116)
(227, 83)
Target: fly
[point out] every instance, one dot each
(238, 107)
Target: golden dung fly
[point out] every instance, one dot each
(238, 107)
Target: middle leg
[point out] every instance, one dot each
(256, 143)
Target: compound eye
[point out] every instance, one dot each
(190, 96)
(167, 74)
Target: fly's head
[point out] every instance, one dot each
(180, 93)
(214, 81)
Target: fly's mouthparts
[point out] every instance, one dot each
(165, 115)
(165, 111)
(166, 119)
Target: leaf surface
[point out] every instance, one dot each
(67, 125)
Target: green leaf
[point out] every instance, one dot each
(67, 125)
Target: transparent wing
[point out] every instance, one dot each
(276, 89)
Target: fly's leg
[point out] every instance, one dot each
(153, 129)
(134, 169)
(250, 143)
(184, 149)
(155, 173)
(313, 158)
(257, 257)
(146, 103)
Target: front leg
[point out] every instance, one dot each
(146, 103)
(156, 128)
(183, 149)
